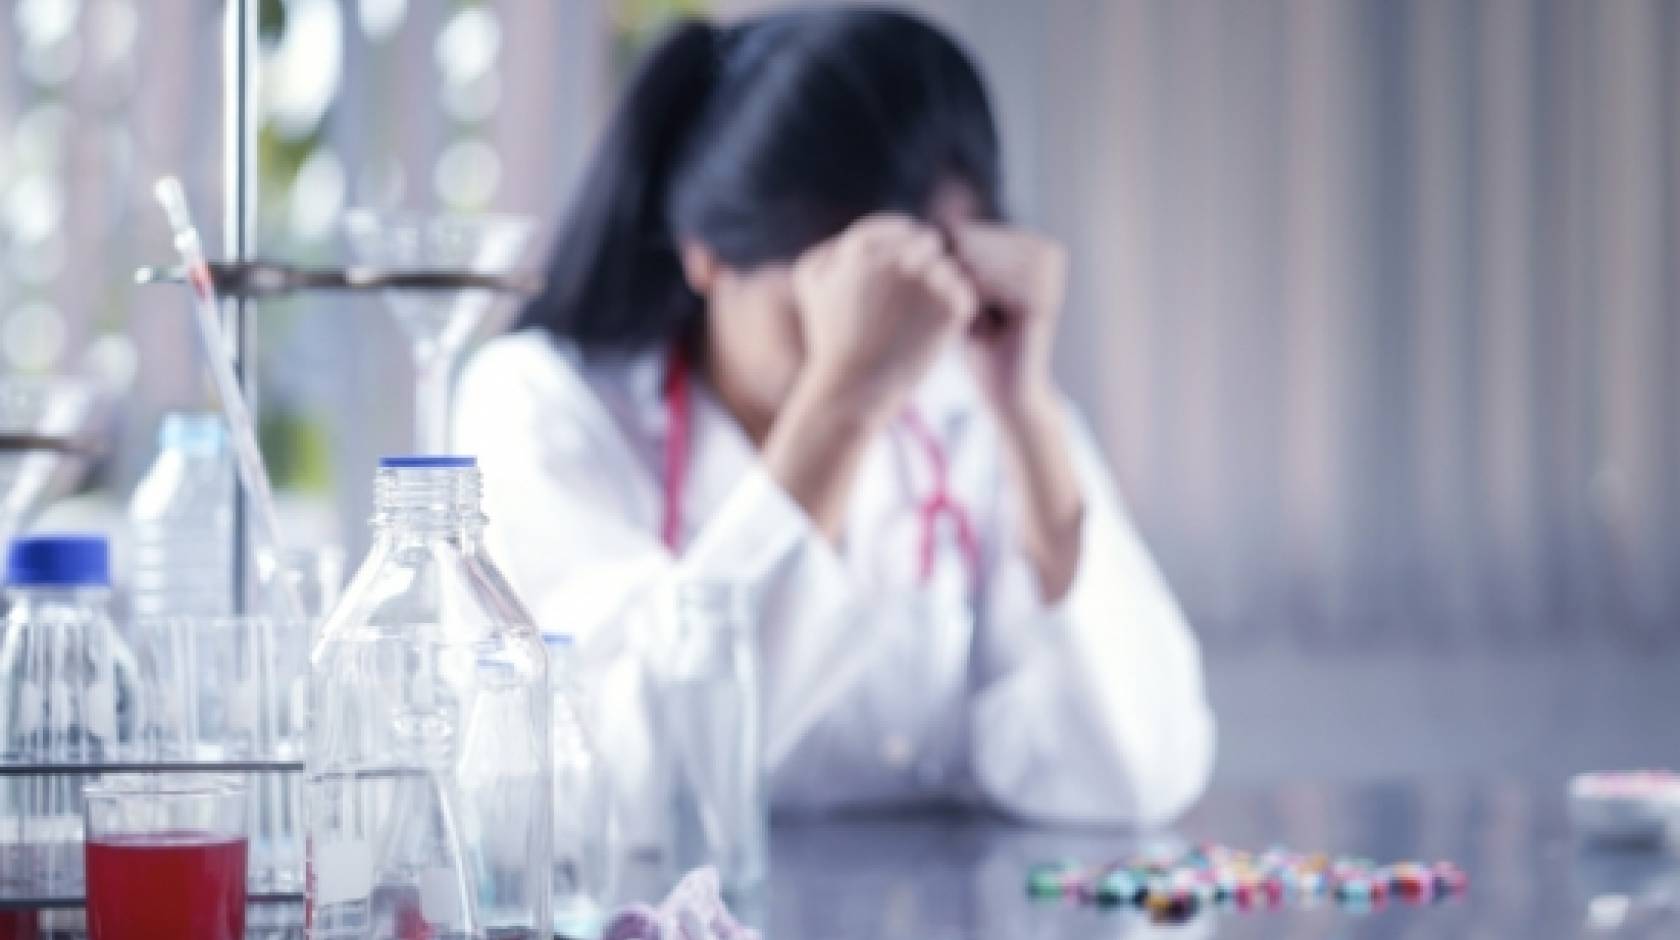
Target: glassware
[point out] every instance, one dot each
(68, 696)
(437, 323)
(428, 789)
(712, 726)
(315, 575)
(166, 857)
(584, 809)
(181, 515)
(233, 689)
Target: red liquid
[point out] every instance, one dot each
(171, 886)
(17, 925)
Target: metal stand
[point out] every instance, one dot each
(239, 234)
(239, 229)
(253, 766)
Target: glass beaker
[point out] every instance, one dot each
(712, 727)
(165, 857)
(584, 808)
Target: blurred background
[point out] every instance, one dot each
(1376, 307)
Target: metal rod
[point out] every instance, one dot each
(151, 767)
(72, 902)
(270, 279)
(15, 443)
(239, 230)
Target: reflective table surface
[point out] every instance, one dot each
(938, 876)
(946, 875)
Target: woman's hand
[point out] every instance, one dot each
(1021, 278)
(877, 304)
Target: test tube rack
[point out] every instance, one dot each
(30, 901)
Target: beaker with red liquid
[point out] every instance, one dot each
(166, 857)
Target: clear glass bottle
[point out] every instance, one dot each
(68, 696)
(181, 515)
(584, 808)
(428, 785)
(712, 727)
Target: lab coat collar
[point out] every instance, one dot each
(720, 454)
(644, 381)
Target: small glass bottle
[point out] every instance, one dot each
(428, 787)
(712, 726)
(67, 697)
(584, 808)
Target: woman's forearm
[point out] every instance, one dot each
(1051, 504)
(814, 448)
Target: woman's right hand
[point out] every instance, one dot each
(877, 303)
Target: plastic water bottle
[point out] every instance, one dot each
(182, 520)
(428, 784)
(68, 696)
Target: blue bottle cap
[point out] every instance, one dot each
(421, 461)
(59, 561)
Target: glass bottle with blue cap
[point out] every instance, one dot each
(67, 697)
(428, 778)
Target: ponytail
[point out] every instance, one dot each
(615, 279)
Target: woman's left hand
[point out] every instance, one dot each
(1021, 278)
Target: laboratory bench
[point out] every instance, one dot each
(943, 874)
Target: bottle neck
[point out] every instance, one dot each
(428, 502)
(44, 596)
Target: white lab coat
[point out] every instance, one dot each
(877, 688)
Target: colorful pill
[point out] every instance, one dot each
(1047, 881)
(1450, 879)
(1353, 889)
(1117, 888)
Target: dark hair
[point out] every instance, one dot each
(759, 140)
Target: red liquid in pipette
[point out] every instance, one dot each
(178, 885)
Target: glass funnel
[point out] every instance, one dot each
(437, 323)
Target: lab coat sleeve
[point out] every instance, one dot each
(579, 539)
(1090, 710)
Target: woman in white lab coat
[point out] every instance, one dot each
(789, 341)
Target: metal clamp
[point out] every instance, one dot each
(253, 279)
